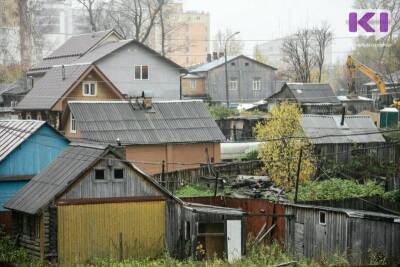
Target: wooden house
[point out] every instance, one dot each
(92, 203)
(317, 231)
(313, 98)
(248, 80)
(26, 148)
(337, 137)
(175, 134)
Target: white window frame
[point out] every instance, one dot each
(319, 218)
(141, 72)
(28, 116)
(89, 83)
(72, 124)
(193, 84)
(235, 82)
(257, 84)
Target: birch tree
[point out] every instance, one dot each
(280, 152)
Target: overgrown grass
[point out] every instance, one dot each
(219, 112)
(337, 189)
(10, 253)
(260, 255)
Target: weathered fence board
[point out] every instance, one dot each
(177, 179)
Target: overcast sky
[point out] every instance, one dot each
(259, 20)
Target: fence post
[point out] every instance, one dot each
(163, 173)
(120, 247)
(298, 175)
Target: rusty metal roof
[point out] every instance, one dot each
(166, 122)
(15, 132)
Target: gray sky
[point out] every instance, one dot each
(269, 19)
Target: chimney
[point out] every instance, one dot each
(30, 82)
(147, 102)
(343, 115)
(209, 58)
(221, 54)
(215, 55)
(63, 72)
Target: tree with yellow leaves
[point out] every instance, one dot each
(280, 152)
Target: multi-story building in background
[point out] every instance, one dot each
(187, 35)
(59, 20)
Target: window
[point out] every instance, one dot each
(233, 64)
(73, 124)
(193, 84)
(233, 84)
(256, 84)
(28, 116)
(247, 64)
(118, 173)
(141, 72)
(322, 218)
(30, 226)
(187, 230)
(99, 174)
(89, 88)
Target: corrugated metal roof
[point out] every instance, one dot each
(51, 87)
(322, 125)
(349, 212)
(218, 62)
(14, 132)
(45, 186)
(166, 122)
(312, 92)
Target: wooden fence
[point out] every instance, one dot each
(261, 214)
(176, 179)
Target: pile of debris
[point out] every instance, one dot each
(250, 186)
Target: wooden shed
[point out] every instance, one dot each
(319, 231)
(91, 203)
(213, 231)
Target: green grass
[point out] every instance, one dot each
(336, 189)
(195, 191)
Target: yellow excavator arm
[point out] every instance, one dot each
(354, 65)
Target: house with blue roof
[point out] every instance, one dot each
(26, 148)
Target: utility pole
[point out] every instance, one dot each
(298, 175)
(226, 68)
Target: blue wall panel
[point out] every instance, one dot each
(34, 154)
(8, 189)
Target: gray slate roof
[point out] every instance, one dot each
(166, 122)
(218, 62)
(323, 125)
(15, 132)
(51, 87)
(72, 49)
(45, 186)
(311, 92)
(78, 45)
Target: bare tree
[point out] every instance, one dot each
(97, 14)
(323, 38)
(25, 33)
(234, 47)
(299, 54)
(135, 18)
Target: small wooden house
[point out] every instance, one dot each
(337, 138)
(313, 98)
(317, 231)
(92, 203)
